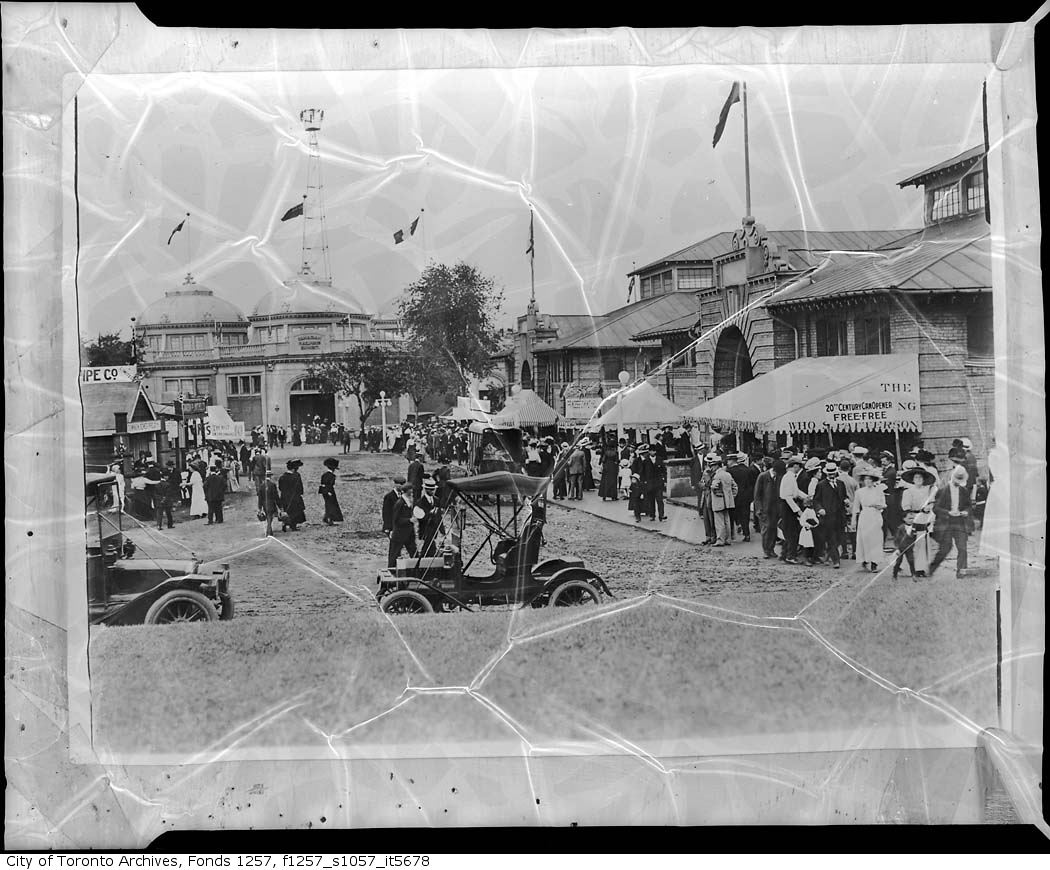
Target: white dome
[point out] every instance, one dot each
(191, 304)
(298, 296)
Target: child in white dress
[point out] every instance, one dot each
(624, 479)
(807, 522)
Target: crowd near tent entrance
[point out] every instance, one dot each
(306, 401)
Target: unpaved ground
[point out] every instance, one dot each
(284, 575)
(310, 661)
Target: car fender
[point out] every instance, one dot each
(134, 612)
(552, 566)
(576, 574)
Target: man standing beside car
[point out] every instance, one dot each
(403, 531)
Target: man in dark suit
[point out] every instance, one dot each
(767, 503)
(645, 468)
(388, 504)
(214, 493)
(415, 477)
(829, 501)
(951, 506)
(429, 527)
(745, 491)
(403, 531)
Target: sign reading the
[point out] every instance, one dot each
(144, 426)
(108, 374)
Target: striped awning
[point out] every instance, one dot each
(876, 393)
(526, 408)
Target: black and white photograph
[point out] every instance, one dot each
(592, 443)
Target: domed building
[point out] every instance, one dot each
(197, 344)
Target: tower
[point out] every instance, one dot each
(315, 265)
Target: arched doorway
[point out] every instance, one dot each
(733, 368)
(306, 400)
(732, 361)
(526, 376)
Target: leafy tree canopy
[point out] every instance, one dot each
(108, 350)
(450, 313)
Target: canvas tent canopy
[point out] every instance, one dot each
(867, 393)
(220, 426)
(526, 408)
(639, 406)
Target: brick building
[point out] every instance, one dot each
(774, 297)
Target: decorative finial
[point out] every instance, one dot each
(189, 278)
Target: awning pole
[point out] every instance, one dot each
(897, 442)
(831, 441)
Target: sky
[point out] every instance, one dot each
(617, 163)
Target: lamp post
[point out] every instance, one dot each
(625, 379)
(383, 402)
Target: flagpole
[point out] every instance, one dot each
(187, 244)
(532, 253)
(747, 158)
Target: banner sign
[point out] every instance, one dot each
(581, 407)
(172, 427)
(144, 426)
(190, 407)
(108, 374)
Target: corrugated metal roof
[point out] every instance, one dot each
(945, 258)
(671, 327)
(102, 401)
(968, 154)
(616, 328)
(797, 241)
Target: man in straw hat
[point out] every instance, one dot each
(723, 501)
(952, 509)
(832, 504)
(790, 509)
(428, 515)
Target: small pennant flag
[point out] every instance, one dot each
(734, 97)
(630, 290)
(294, 212)
(531, 249)
(412, 228)
(399, 237)
(179, 227)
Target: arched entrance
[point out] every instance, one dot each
(526, 376)
(307, 400)
(732, 361)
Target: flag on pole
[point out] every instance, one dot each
(412, 228)
(399, 237)
(734, 97)
(294, 212)
(630, 290)
(531, 249)
(179, 227)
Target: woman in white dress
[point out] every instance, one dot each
(198, 506)
(119, 475)
(918, 498)
(868, 506)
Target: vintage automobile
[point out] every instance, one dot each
(124, 590)
(513, 535)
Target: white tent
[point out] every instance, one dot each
(526, 408)
(219, 426)
(639, 407)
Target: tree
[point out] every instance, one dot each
(450, 313)
(362, 372)
(424, 376)
(110, 350)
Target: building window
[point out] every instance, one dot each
(244, 385)
(154, 342)
(191, 341)
(979, 336)
(188, 386)
(975, 191)
(656, 285)
(944, 202)
(646, 289)
(872, 335)
(682, 360)
(611, 367)
(233, 338)
(831, 338)
(308, 385)
(696, 279)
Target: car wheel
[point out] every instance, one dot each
(407, 601)
(181, 605)
(574, 593)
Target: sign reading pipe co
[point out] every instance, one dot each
(107, 374)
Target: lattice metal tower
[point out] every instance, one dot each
(315, 266)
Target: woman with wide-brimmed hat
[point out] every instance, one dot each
(291, 488)
(332, 513)
(917, 503)
(868, 505)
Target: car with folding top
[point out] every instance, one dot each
(508, 512)
(128, 588)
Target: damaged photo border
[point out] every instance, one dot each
(1016, 299)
